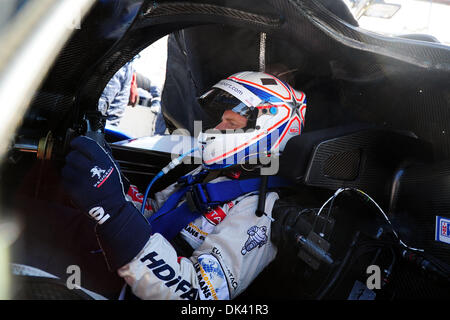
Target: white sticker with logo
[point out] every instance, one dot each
(239, 91)
(212, 282)
(442, 229)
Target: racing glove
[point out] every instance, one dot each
(93, 180)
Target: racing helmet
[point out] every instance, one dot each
(250, 115)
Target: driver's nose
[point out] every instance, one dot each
(223, 125)
(232, 120)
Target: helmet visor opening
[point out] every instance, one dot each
(227, 112)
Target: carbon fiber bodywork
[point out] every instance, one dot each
(395, 82)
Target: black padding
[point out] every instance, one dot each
(298, 151)
(345, 157)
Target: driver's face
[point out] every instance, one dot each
(232, 120)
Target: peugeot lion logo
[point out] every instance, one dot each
(96, 171)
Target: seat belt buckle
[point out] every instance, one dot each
(198, 200)
(190, 179)
(184, 181)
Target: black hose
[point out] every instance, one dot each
(341, 267)
(262, 196)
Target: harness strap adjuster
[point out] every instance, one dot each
(198, 200)
(191, 179)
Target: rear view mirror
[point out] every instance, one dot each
(381, 10)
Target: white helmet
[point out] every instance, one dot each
(252, 114)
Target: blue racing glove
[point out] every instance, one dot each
(93, 181)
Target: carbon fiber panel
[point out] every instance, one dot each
(154, 10)
(366, 160)
(423, 194)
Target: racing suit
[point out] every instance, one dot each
(231, 247)
(230, 244)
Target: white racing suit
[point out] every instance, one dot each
(231, 247)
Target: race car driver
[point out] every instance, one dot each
(202, 238)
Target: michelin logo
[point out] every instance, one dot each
(256, 238)
(442, 229)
